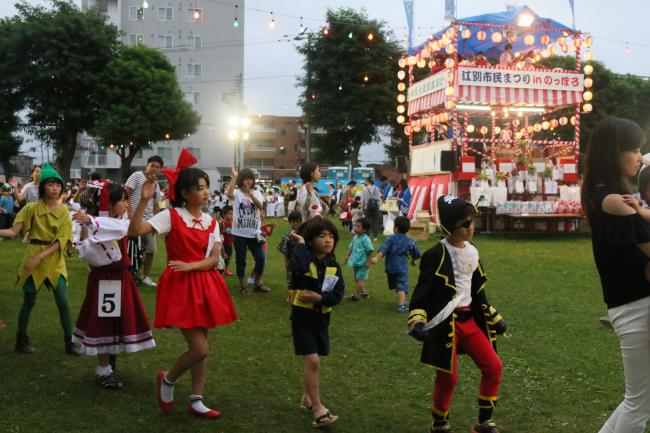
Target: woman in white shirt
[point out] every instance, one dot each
(246, 227)
(308, 199)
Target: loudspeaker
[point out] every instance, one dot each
(448, 160)
(402, 164)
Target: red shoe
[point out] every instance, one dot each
(228, 273)
(166, 407)
(211, 414)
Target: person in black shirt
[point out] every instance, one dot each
(318, 286)
(621, 247)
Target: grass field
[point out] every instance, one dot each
(562, 368)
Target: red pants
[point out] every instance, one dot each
(473, 342)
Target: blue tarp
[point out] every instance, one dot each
(472, 45)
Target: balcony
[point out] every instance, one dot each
(94, 160)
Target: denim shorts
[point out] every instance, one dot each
(398, 281)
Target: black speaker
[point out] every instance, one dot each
(448, 160)
(402, 164)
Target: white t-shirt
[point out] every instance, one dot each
(246, 217)
(465, 262)
(162, 222)
(505, 59)
(135, 182)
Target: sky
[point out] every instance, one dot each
(620, 31)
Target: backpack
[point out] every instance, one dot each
(372, 207)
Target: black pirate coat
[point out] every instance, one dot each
(434, 290)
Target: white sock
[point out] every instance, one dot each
(197, 403)
(167, 390)
(104, 371)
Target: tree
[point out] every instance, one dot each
(61, 54)
(349, 81)
(11, 101)
(141, 103)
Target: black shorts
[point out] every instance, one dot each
(228, 250)
(310, 338)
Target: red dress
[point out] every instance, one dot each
(192, 299)
(128, 333)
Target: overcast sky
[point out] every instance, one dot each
(272, 63)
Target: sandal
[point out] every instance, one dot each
(325, 419)
(109, 382)
(262, 288)
(305, 406)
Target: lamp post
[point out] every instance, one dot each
(239, 134)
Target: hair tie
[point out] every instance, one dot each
(185, 159)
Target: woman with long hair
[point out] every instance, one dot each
(621, 247)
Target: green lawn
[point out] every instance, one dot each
(562, 369)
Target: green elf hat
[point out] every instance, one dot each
(47, 172)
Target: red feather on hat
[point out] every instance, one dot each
(185, 159)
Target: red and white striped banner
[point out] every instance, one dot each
(439, 187)
(427, 102)
(510, 95)
(419, 187)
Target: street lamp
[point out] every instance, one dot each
(238, 133)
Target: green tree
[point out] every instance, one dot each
(349, 84)
(141, 103)
(61, 54)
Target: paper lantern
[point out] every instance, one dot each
(588, 83)
(511, 35)
(449, 63)
(401, 119)
(528, 130)
(435, 119)
(444, 40)
(452, 32)
(401, 98)
(554, 123)
(517, 135)
(587, 108)
(411, 60)
(515, 122)
(588, 41)
(466, 34)
(450, 49)
(545, 125)
(421, 63)
(484, 130)
(545, 53)
(443, 117)
(497, 130)
(529, 40)
(560, 41)
(401, 74)
(496, 37)
(408, 130)
(563, 120)
(545, 39)
(589, 69)
(450, 105)
(552, 49)
(425, 53)
(449, 91)
(469, 128)
(577, 42)
(537, 127)
(416, 129)
(565, 48)
(401, 87)
(480, 35)
(400, 109)
(435, 46)
(573, 120)
(402, 62)
(587, 96)
(589, 56)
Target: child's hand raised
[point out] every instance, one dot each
(148, 188)
(296, 237)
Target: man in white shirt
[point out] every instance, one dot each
(505, 60)
(133, 186)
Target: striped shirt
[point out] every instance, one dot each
(135, 182)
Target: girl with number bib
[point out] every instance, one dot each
(112, 318)
(192, 295)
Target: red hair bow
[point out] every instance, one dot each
(185, 159)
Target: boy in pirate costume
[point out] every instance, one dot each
(49, 233)
(450, 313)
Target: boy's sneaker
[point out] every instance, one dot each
(354, 298)
(148, 281)
(402, 309)
(488, 426)
(440, 428)
(364, 294)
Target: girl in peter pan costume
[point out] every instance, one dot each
(49, 234)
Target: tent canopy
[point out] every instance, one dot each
(541, 26)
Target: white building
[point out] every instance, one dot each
(200, 39)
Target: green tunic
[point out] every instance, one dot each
(45, 225)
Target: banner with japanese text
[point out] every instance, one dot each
(529, 79)
(428, 85)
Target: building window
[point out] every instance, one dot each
(194, 70)
(164, 152)
(192, 97)
(195, 15)
(165, 41)
(165, 14)
(136, 13)
(196, 151)
(194, 42)
(136, 40)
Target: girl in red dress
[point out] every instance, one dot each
(192, 295)
(106, 327)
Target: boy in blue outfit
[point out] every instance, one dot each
(396, 248)
(358, 255)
